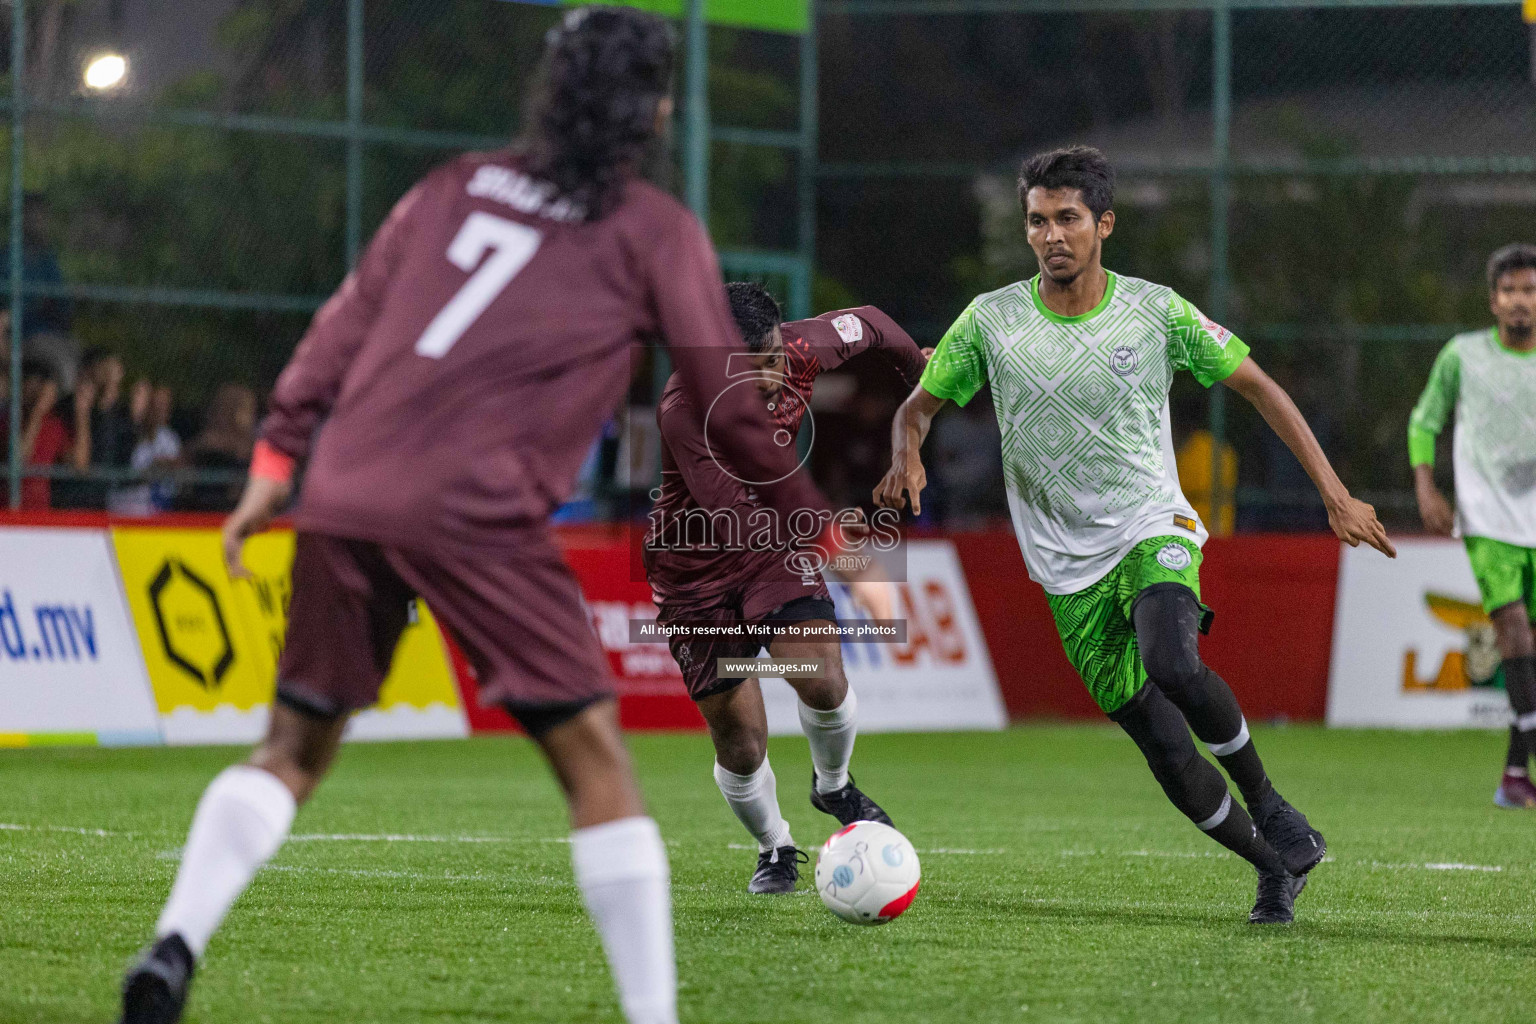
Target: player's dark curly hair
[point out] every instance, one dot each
(1517, 256)
(1081, 167)
(592, 114)
(756, 312)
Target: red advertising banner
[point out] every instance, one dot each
(940, 678)
(1274, 597)
(651, 694)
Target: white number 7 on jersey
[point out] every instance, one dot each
(511, 246)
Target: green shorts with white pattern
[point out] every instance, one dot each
(1095, 624)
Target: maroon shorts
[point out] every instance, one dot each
(516, 611)
(779, 601)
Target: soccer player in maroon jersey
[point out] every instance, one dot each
(704, 570)
(443, 400)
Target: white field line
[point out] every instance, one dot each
(924, 852)
(392, 837)
(360, 837)
(303, 837)
(406, 837)
(100, 833)
(1200, 854)
(1426, 915)
(421, 876)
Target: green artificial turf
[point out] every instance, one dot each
(1058, 885)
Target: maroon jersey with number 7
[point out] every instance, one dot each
(450, 390)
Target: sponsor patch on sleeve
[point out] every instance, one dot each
(849, 327)
(1218, 333)
(1184, 522)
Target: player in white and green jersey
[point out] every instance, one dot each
(1080, 361)
(1489, 378)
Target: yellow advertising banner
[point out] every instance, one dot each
(211, 643)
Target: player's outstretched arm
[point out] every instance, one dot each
(869, 329)
(1352, 520)
(909, 429)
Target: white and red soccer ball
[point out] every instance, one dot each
(867, 873)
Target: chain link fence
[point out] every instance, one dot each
(179, 214)
(1326, 178)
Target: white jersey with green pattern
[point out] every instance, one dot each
(1493, 390)
(1082, 403)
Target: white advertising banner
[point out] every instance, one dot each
(70, 666)
(940, 679)
(1412, 648)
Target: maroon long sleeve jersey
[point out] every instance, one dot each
(687, 555)
(449, 391)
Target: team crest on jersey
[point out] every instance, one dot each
(1175, 557)
(849, 327)
(1217, 332)
(1124, 360)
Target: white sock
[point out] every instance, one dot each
(831, 735)
(621, 867)
(755, 799)
(241, 821)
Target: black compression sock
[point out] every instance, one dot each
(1520, 683)
(1192, 783)
(1517, 756)
(1237, 833)
(1167, 622)
(1245, 768)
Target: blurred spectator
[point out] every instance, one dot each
(229, 434)
(158, 449)
(47, 321)
(103, 430)
(44, 438)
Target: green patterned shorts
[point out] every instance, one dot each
(1506, 573)
(1095, 624)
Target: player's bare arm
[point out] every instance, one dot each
(1434, 507)
(909, 429)
(263, 499)
(1352, 520)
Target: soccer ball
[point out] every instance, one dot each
(867, 873)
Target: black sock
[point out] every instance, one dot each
(1237, 833)
(1167, 621)
(1517, 757)
(173, 947)
(1520, 683)
(1192, 783)
(1246, 769)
